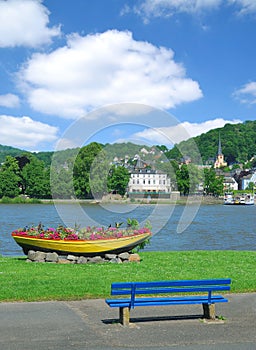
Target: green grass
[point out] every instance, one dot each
(22, 281)
(19, 200)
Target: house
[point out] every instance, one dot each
(230, 184)
(246, 180)
(148, 183)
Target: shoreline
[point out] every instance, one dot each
(180, 201)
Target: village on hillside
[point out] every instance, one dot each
(147, 181)
(96, 171)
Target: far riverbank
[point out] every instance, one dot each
(116, 199)
(183, 200)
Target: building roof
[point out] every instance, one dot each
(147, 171)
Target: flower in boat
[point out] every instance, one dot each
(87, 233)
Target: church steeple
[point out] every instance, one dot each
(219, 163)
(219, 148)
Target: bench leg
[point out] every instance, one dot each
(209, 311)
(124, 316)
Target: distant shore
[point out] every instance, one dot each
(183, 200)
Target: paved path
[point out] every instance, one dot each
(91, 324)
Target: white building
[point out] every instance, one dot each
(245, 181)
(149, 183)
(230, 184)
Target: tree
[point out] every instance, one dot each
(183, 180)
(10, 178)
(61, 183)
(118, 180)
(36, 179)
(213, 184)
(250, 186)
(82, 168)
(170, 168)
(99, 172)
(196, 177)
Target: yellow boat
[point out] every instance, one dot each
(81, 247)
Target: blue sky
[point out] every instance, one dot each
(150, 71)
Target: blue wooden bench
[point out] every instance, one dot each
(135, 295)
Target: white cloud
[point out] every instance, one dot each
(181, 132)
(106, 68)
(247, 94)
(9, 100)
(245, 7)
(25, 23)
(165, 8)
(24, 132)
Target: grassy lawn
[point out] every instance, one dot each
(22, 281)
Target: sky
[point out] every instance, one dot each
(145, 71)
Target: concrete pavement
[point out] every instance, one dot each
(91, 324)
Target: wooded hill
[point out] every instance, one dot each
(238, 143)
(238, 146)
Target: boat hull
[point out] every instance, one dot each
(239, 200)
(79, 247)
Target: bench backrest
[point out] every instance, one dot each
(168, 287)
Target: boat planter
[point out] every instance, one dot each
(85, 242)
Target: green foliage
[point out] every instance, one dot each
(183, 180)
(9, 151)
(118, 179)
(19, 200)
(170, 168)
(133, 223)
(36, 179)
(237, 140)
(62, 183)
(82, 167)
(213, 183)
(121, 150)
(188, 178)
(98, 176)
(10, 178)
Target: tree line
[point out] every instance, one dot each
(88, 173)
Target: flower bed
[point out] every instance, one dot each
(87, 233)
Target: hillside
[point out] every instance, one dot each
(238, 143)
(238, 146)
(9, 151)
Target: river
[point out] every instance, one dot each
(211, 227)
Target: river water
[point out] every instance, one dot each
(211, 227)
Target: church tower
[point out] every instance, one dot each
(219, 162)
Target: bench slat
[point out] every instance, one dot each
(165, 301)
(169, 290)
(171, 283)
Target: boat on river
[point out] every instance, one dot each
(243, 199)
(81, 247)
